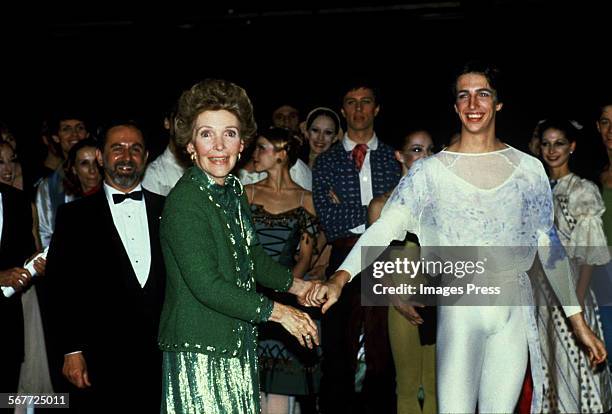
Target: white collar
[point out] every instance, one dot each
(349, 144)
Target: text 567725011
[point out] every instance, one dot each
(8, 400)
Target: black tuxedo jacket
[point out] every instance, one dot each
(95, 301)
(16, 245)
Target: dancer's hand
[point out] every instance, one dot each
(594, 346)
(300, 288)
(409, 312)
(297, 323)
(328, 293)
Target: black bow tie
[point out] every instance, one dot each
(134, 195)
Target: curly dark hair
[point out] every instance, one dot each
(213, 95)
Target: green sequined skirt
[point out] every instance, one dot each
(196, 383)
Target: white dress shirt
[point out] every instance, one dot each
(163, 173)
(365, 175)
(130, 218)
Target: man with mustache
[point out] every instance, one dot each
(109, 277)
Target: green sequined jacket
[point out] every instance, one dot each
(213, 259)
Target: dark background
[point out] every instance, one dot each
(110, 59)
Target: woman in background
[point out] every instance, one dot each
(414, 355)
(322, 128)
(8, 165)
(284, 218)
(578, 208)
(7, 137)
(82, 175)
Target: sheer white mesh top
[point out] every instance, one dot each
(499, 198)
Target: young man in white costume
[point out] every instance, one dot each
(479, 192)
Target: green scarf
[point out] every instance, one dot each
(228, 198)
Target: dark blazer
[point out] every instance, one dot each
(16, 245)
(98, 306)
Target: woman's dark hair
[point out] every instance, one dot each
(8, 144)
(579, 162)
(317, 112)
(213, 95)
(283, 139)
(569, 130)
(399, 144)
(72, 185)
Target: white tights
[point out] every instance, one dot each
(481, 358)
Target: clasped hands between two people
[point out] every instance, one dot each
(327, 293)
(321, 294)
(309, 293)
(298, 323)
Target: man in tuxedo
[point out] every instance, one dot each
(107, 269)
(16, 244)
